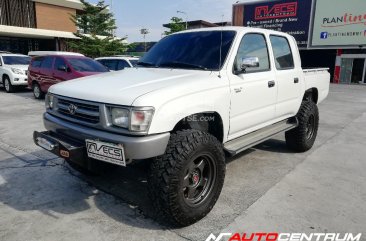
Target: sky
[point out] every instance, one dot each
(132, 15)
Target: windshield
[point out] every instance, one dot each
(194, 50)
(17, 60)
(86, 65)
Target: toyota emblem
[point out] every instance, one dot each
(72, 109)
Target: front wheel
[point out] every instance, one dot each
(9, 88)
(187, 180)
(302, 138)
(37, 92)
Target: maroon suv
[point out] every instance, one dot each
(45, 71)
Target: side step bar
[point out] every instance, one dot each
(254, 138)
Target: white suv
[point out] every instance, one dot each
(13, 71)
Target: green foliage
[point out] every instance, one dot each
(96, 32)
(176, 25)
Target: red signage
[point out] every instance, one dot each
(282, 10)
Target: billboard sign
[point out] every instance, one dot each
(339, 23)
(290, 16)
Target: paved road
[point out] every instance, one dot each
(268, 188)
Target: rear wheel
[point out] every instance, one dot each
(37, 92)
(302, 138)
(186, 181)
(7, 85)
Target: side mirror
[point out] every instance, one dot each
(63, 68)
(247, 62)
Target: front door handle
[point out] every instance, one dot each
(271, 84)
(296, 80)
(238, 90)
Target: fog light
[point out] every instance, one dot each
(16, 79)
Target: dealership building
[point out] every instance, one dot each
(329, 33)
(32, 25)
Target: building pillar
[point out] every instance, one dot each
(337, 69)
(57, 44)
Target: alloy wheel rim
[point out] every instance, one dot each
(36, 91)
(199, 179)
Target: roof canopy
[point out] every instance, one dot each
(11, 31)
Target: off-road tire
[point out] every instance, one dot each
(39, 95)
(302, 138)
(10, 88)
(167, 175)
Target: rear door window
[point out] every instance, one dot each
(282, 52)
(47, 63)
(59, 62)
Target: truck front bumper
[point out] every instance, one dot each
(71, 136)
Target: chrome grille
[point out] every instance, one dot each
(78, 110)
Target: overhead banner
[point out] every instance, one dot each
(339, 23)
(289, 16)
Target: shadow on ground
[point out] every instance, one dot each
(49, 185)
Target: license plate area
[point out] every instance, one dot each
(106, 152)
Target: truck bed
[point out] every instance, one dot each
(318, 78)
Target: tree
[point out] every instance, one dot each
(176, 25)
(96, 26)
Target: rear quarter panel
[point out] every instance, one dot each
(319, 79)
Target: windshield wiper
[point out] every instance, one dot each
(146, 64)
(177, 64)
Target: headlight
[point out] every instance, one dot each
(49, 101)
(141, 119)
(120, 117)
(17, 71)
(135, 119)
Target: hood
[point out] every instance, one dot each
(21, 67)
(123, 87)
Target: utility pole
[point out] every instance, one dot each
(144, 32)
(181, 12)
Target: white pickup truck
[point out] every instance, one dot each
(194, 98)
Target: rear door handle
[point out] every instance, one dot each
(296, 80)
(271, 84)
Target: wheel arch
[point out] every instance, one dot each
(311, 94)
(210, 122)
(4, 76)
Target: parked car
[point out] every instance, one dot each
(195, 96)
(13, 71)
(45, 71)
(118, 62)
